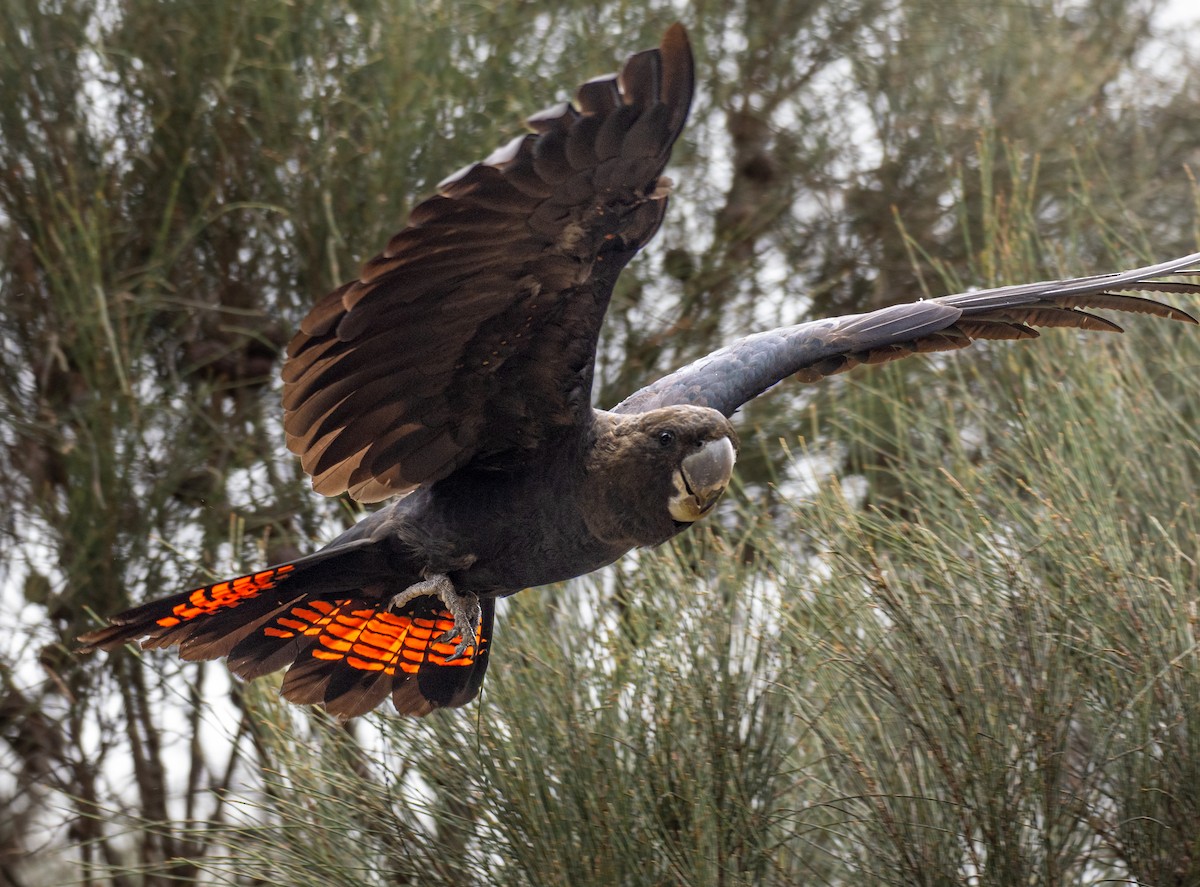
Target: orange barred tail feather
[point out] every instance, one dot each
(177, 619)
(349, 655)
(347, 650)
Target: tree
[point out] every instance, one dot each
(178, 181)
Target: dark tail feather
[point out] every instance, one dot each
(180, 617)
(349, 655)
(323, 616)
(197, 619)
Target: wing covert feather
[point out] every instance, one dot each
(731, 376)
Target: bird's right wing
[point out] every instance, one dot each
(731, 376)
(470, 340)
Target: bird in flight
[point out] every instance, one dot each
(456, 374)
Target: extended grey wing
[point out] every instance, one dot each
(731, 376)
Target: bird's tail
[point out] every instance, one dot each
(324, 619)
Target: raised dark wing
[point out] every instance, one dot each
(728, 378)
(471, 339)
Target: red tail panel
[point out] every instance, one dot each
(349, 654)
(208, 600)
(347, 650)
(174, 619)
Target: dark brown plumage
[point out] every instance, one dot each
(456, 372)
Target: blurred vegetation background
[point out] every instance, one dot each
(944, 633)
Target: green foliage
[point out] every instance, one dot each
(1032, 642)
(945, 634)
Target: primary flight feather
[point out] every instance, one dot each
(456, 374)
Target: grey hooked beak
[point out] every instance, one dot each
(701, 479)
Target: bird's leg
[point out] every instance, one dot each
(463, 606)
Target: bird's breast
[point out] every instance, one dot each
(517, 535)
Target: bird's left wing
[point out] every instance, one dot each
(728, 378)
(472, 337)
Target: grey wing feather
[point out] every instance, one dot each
(728, 378)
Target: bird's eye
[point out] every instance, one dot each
(666, 438)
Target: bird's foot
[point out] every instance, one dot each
(463, 606)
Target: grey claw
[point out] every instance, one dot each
(466, 640)
(463, 607)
